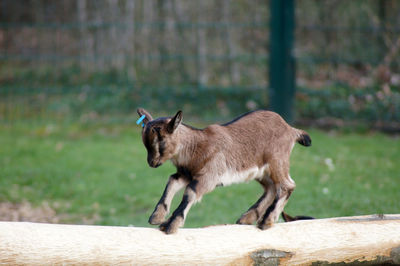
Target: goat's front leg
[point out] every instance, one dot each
(177, 218)
(175, 183)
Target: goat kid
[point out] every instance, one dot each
(256, 145)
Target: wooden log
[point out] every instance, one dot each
(365, 239)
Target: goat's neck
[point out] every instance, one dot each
(188, 141)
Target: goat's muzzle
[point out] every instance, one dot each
(153, 163)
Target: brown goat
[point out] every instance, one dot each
(256, 145)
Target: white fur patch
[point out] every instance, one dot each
(233, 177)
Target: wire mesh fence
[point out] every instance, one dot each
(84, 59)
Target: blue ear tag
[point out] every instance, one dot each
(140, 120)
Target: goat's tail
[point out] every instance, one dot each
(303, 138)
(287, 218)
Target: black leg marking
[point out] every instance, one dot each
(192, 185)
(162, 207)
(168, 226)
(164, 195)
(248, 216)
(176, 176)
(255, 205)
(270, 209)
(181, 208)
(185, 172)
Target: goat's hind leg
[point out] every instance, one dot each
(255, 212)
(175, 183)
(283, 192)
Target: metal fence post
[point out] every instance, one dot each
(282, 64)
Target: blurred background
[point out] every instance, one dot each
(73, 72)
(84, 59)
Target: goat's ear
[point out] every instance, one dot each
(148, 116)
(175, 121)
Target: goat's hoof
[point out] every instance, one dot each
(244, 222)
(264, 226)
(247, 218)
(158, 216)
(170, 226)
(155, 219)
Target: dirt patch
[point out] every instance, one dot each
(25, 212)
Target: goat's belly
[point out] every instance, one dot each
(232, 177)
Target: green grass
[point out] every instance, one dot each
(98, 174)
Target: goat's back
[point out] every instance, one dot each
(261, 127)
(254, 139)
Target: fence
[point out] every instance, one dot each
(84, 59)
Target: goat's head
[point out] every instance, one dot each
(158, 137)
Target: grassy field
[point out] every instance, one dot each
(98, 174)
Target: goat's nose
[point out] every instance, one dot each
(152, 162)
